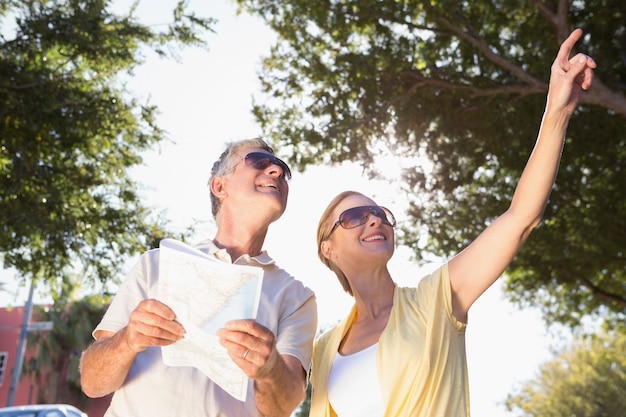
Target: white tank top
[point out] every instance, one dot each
(353, 387)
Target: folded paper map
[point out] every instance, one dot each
(205, 293)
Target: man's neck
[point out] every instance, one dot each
(239, 241)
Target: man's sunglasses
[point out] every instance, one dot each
(357, 216)
(260, 161)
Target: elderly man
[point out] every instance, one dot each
(249, 190)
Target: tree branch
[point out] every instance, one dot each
(600, 293)
(473, 38)
(599, 94)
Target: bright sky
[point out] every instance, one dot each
(205, 101)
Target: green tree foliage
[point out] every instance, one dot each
(70, 131)
(463, 84)
(56, 353)
(588, 381)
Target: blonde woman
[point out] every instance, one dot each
(401, 351)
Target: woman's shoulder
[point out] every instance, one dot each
(336, 330)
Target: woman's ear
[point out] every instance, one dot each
(327, 249)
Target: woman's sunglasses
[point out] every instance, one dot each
(260, 161)
(357, 216)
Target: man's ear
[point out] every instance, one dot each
(217, 187)
(327, 249)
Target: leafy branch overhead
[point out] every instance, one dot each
(462, 85)
(70, 132)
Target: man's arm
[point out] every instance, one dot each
(279, 380)
(283, 389)
(105, 364)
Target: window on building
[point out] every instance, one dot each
(4, 358)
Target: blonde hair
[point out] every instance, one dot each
(323, 233)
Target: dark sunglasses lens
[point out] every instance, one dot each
(387, 216)
(357, 216)
(261, 161)
(354, 217)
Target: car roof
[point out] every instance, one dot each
(42, 410)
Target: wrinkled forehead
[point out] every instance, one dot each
(241, 153)
(351, 202)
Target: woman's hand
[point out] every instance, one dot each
(569, 76)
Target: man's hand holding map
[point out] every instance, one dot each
(206, 293)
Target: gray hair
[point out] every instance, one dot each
(225, 164)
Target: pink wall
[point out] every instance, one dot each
(10, 325)
(26, 392)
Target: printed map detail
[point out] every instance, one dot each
(205, 293)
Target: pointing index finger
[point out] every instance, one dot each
(566, 48)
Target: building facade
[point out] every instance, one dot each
(31, 388)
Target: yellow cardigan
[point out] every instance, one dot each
(421, 364)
